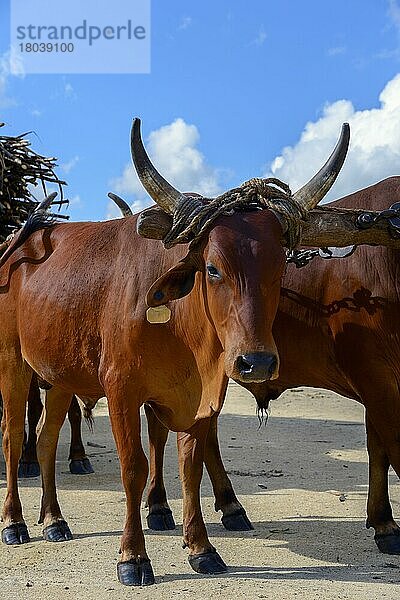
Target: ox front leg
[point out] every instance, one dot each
(160, 516)
(234, 516)
(135, 568)
(55, 528)
(379, 510)
(203, 557)
(79, 464)
(14, 390)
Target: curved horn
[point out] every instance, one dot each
(122, 205)
(313, 191)
(162, 192)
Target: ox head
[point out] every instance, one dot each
(240, 259)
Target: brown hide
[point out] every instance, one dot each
(338, 327)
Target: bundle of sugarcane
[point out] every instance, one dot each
(20, 169)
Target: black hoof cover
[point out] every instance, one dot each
(28, 469)
(209, 563)
(17, 533)
(135, 572)
(237, 522)
(81, 467)
(161, 520)
(57, 532)
(388, 543)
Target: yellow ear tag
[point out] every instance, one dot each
(158, 314)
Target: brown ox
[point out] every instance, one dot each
(327, 310)
(72, 308)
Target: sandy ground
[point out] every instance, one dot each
(302, 479)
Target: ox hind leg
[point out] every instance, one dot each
(379, 510)
(135, 568)
(15, 384)
(160, 516)
(28, 465)
(378, 390)
(383, 444)
(203, 558)
(55, 528)
(79, 464)
(234, 516)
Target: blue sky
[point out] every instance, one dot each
(236, 89)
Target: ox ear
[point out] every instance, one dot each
(175, 283)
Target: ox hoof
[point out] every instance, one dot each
(239, 521)
(28, 469)
(16, 533)
(57, 532)
(388, 543)
(161, 520)
(135, 572)
(81, 467)
(208, 563)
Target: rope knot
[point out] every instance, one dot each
(269, 187)
(194, 215)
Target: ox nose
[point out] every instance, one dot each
(256, 366)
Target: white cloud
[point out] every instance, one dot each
(173, 150)
(387, 53)
(394, 12)
(374, 148)
(336, 51)
(69, 91)
(75, 201)
(391, 53)
(185, 23)
(68, 166)
(10, 65)
(261, 37)
(4, 101)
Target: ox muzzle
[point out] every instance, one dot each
(256, 367)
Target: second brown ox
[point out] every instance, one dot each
(337, 327)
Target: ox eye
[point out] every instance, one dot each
(213, 273)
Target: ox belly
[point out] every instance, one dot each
(61, 360)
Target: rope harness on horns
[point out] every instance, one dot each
(255, 194)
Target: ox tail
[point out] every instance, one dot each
(39, 219)
(88, 415)
(262, 415)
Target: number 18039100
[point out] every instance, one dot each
(46, 47)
